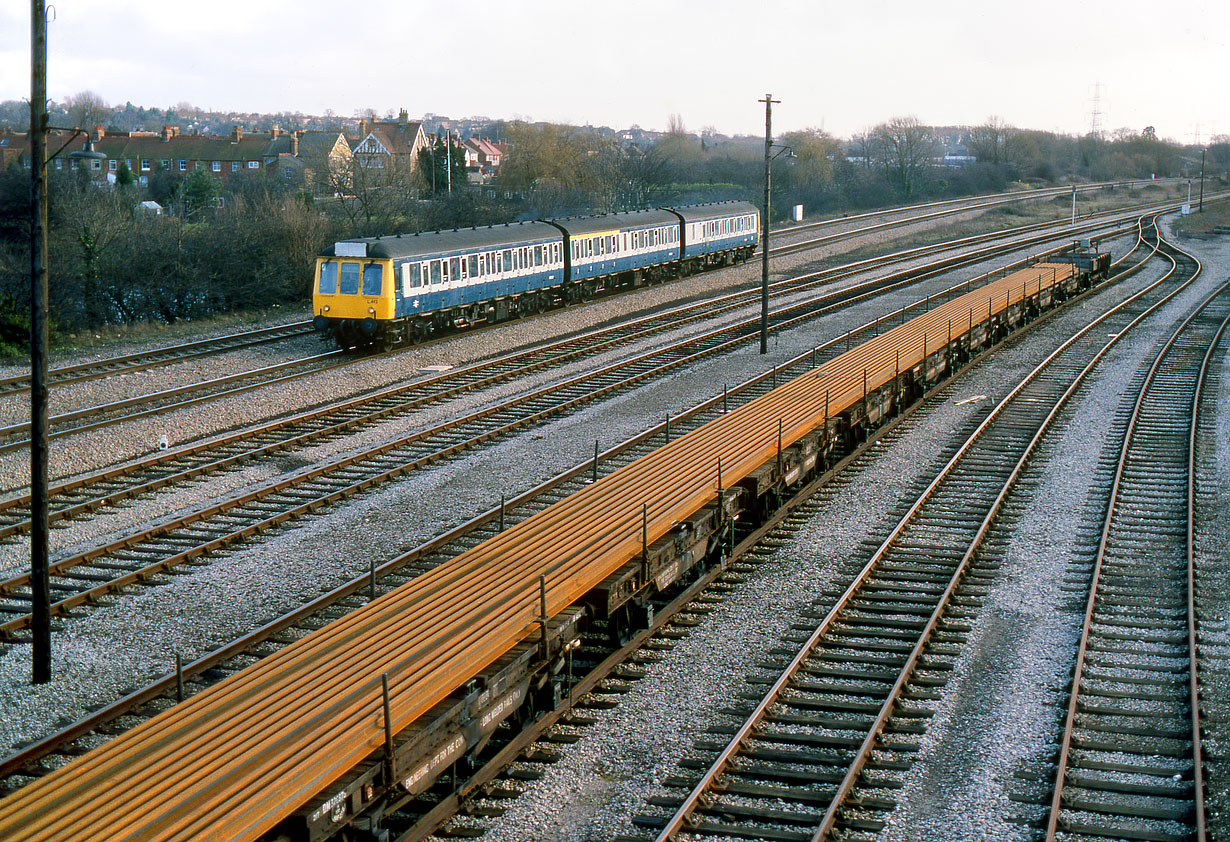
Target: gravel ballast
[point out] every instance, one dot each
(99, 656)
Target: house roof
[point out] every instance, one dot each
(184, 147)
(395, 136)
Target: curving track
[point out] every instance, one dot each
(816, 756)
(324, 690)
(1130, 761)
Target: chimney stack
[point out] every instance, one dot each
(276, 131)
(236, 134)
(99, 133)
(294, 143)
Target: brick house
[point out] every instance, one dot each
(390, 144)
(296, 154)
(482, 159)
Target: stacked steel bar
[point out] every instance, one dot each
(233, 761)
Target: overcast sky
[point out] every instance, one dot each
(1045, 64)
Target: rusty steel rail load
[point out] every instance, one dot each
(300, 744)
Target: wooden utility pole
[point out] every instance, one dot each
(39, 576)
(764, 222)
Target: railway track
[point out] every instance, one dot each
(78, 581)
(168, 355)
(139, 705)
(818, 753)
(928, 211)
(935, 210)
(429, 617)
(97, 417)
(144, 703)
(1130, 756)
(88, 493)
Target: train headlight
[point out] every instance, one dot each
(371, 310)
(326, 308)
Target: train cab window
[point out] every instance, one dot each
(328, 277)
(473, 261)
(350, 279)
(373, 278)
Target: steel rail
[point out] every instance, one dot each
(605, 380)
(983, 201)
(1056, 801)
(259, 376)
(194, 670)
(434, 388)
(319, 712)
(165, 355)
(671, 319)
(16, 444)
(806, 245)
(678, 821)
(1202, 831)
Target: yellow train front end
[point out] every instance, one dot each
(352, 297)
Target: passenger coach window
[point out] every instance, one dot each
(435, 272)
(350, 279)
(373, 276)
(473, 261)
(328, 277)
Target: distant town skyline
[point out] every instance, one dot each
(1054, 66)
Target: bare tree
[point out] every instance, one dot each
(989, 142)
(87, 110)
(908, 147)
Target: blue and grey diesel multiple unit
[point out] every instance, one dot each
(382, 291)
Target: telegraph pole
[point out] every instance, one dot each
(39, 574)
(764, 223)
(1202, 151)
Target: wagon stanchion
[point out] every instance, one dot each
(371, 580)
(542, 613)
(502, 500)
(645, 541)
(594, 475)
(179, 677)
(779, 447)
(390, 760)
